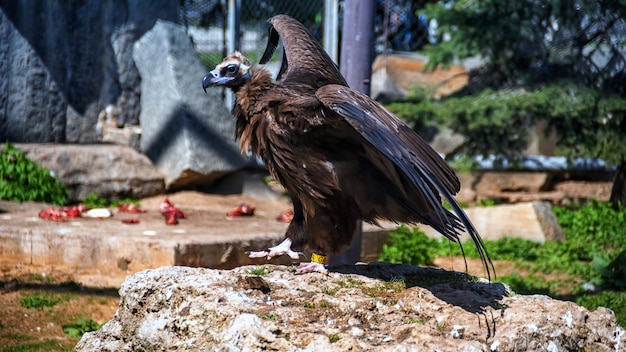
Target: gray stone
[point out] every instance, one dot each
(188, 134)
(350, 309)
(32, 104)
(111, 171)
(446, 141)
(110, 130)
(62, 62)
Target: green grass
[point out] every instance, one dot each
(94, 200)
(594, 252)
(48, 345)
(17, 336)
(269, 316)
(37, 300)
(258, 271)
(81, 326)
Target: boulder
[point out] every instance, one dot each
(63, 62)
(111, 171)
(189, 135)
(394, 75)
(354, 308)
(32, 104)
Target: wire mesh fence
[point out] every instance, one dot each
(206, 23)
(397, 27)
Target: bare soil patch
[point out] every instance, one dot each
(41, 329)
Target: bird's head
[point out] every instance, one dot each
(232, 72)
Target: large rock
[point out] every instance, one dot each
(533, 221)
(32, 102)
(188, 134)
(184, 309)
(112, 171)
(63, 62)
(394, 75)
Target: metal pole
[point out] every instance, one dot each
(357, 47)
(234, 27)
(357, 52)
(331, 28)
(233, 40)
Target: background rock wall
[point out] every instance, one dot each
(63, 62)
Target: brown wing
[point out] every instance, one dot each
(407, 160)
(304, 60)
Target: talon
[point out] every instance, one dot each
(258, 254)
(311, 267)
(281, 249)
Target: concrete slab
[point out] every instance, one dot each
(103, 252)
(111, 247)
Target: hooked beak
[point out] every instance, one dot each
(214, 78)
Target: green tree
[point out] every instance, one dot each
(533, 46)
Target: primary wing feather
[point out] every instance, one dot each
(414, 166)
(304, 60)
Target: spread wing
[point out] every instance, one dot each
(420, 173)
(304, 60)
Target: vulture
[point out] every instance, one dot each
(341, 155)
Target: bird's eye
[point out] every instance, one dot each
(231, 68)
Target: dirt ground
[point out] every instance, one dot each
(41, 329)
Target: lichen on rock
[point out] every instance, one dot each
(373, 307)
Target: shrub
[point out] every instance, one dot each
(589, 122)
(22, 180)
(80, 326)
(409, 246)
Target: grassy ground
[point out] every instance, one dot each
(43, 311)
(588, 267)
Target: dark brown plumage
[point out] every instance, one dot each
(341, 155)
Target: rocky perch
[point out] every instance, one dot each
(374, 307)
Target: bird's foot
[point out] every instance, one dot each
(311, 267)
(284, 248)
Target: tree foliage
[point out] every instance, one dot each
(558, 61)
(589, 122)
(531, 41)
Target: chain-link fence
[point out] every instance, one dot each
(397, 27)
(206, 23)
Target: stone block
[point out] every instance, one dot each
(189, 135)
(532, 221)
(494, 182)
(112, 171)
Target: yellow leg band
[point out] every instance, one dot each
(317, 258)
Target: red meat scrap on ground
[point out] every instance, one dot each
(170, 212)
(242, 209)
